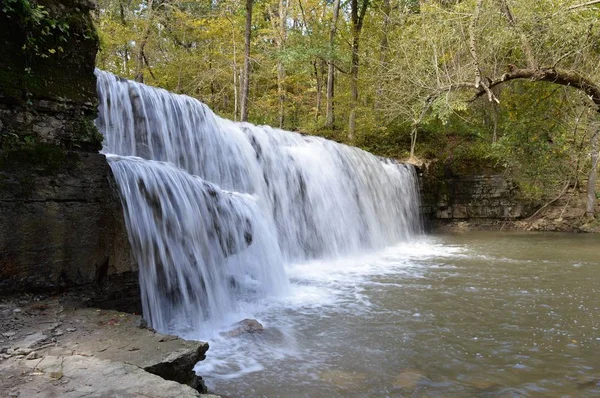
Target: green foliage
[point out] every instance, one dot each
(417, 72)
(85, 135)
(45, 35)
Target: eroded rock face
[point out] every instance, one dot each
(61, 228)
(449, 197)
(61, 223)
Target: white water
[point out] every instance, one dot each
(217, 212)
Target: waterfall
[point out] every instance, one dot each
(215, 209)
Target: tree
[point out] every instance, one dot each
(329, 116)
(358, 17)
(434, 66)
(279, 21)
(246, 72)
(479, 63)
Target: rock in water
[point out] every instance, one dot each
(345, 380)
(246, 326)
(483, 385)
(409, 379)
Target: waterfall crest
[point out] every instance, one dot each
(214, 208)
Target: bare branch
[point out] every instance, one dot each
(589, 3)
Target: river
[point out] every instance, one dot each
(230, 220)
(457, 315)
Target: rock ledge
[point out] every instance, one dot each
(47, 350)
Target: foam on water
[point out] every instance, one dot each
(318, 289)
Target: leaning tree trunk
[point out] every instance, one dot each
(246, 72)
(140, 56)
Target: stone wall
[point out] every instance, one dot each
(447, 197)
(61, 221)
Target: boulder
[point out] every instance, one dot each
(409, 379)
(243, 327)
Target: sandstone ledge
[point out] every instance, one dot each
(52, 351)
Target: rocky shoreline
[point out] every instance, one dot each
(566, 214)
(56, 347)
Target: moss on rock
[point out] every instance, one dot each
(47, 81)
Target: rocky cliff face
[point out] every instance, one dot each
(448, 197)
(61, 223)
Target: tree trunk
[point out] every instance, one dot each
(139, 59)
(357, 22)
(319, 91)
(281, 92)
(383, 50)
(246, 71)
(329, 116)
(591, 185)
(281, 39)
(235, 74)
(473, 42)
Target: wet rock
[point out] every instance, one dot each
(587, 381)
(346, 380)
(483, 384)
(179, 367)
(409, 379)
(143, 324)
(246, 326)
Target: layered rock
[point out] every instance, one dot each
(61, 223)
(448, 197)
(89, 352)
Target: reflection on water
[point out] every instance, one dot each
(477, 314)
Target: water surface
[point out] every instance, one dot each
(475, 314)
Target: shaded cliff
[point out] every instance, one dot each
(61, 224)
(485, 198)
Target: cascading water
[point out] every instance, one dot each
(214, 208)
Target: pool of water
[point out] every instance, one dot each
(460, 315)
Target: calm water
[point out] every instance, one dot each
(469, 315)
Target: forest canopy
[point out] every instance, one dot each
(510, 84)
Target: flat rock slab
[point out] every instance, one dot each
(83, 376)
(50, 351)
